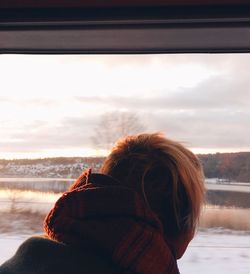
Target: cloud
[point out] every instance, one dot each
(39, 135)
(213, 113)
(40, 102)
(5, 99)
(218, 129)
(213, 93)
(217, 61)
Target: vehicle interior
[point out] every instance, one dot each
(127, 28)
(141, 26)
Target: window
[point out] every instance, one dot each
(61, 114)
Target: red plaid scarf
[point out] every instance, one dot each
(100, 213)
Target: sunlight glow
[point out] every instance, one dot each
(50, 105)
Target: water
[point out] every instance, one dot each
(39, 195)
(229, 195)
(33, 189)
(26, 200)
(36, 184)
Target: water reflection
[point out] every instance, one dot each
(26, 200)
(226, 198)
(225, 207)
(36, 184)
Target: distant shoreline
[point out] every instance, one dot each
(25, 179)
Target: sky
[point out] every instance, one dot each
(50, 106)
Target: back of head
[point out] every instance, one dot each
(167, 175)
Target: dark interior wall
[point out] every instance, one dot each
(113, 3)
(199, 26)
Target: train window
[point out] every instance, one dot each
(61, 114)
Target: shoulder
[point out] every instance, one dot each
(39, 255)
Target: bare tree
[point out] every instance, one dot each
(115, 125)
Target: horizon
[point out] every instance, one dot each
(103, 156)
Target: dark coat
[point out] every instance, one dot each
(39, 255)
(97, 227)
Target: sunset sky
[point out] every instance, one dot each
(50, 105)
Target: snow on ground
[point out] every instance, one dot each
(9, 245)
(211, 252)
(240, 187)
(217, 252)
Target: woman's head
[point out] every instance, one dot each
(167, 175)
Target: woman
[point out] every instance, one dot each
(137, 216)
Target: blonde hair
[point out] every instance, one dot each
(167, 175)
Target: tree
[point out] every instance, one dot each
(115, 125)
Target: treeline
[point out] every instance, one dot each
(55, 161)
(60, 167)
(228, 166)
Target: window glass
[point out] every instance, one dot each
(62, 114)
